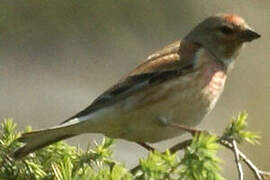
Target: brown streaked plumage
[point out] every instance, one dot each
(179, 84)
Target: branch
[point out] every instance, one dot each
(237, 160)
(232, 145)
(173, 149)
(180, 146)
(257, 173)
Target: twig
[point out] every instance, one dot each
(265, 173)
(173, 149)
(250, 164)
(180, 146)
(237, 160)
(133, 170)
(257, 173)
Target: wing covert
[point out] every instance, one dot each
(159, 67)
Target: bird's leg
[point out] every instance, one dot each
(146, 146)
(191, 130)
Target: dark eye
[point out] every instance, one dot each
(226, 30)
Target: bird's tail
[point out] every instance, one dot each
(38, 139)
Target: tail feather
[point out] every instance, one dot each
(38, 139)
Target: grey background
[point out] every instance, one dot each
(57, 56)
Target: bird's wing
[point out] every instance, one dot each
(159, 67)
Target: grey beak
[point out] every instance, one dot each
(249, 35)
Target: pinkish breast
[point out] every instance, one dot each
(214, 77)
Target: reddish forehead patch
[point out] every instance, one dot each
(234, 19)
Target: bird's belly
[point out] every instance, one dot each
(151, 122)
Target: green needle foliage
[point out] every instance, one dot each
(158, 166)
(237, 130)
(58, 161)
(200, 160)
(63, 162)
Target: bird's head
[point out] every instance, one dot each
(223, 36)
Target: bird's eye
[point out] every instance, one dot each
(226, 30)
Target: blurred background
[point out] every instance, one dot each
(58, 56)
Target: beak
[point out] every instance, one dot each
(249, 35)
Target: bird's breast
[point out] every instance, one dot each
(214, 85)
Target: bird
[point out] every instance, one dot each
(179, 84)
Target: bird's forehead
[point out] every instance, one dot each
(234, 19)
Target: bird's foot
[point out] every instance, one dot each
(146, 146)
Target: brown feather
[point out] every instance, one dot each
(172, 61)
